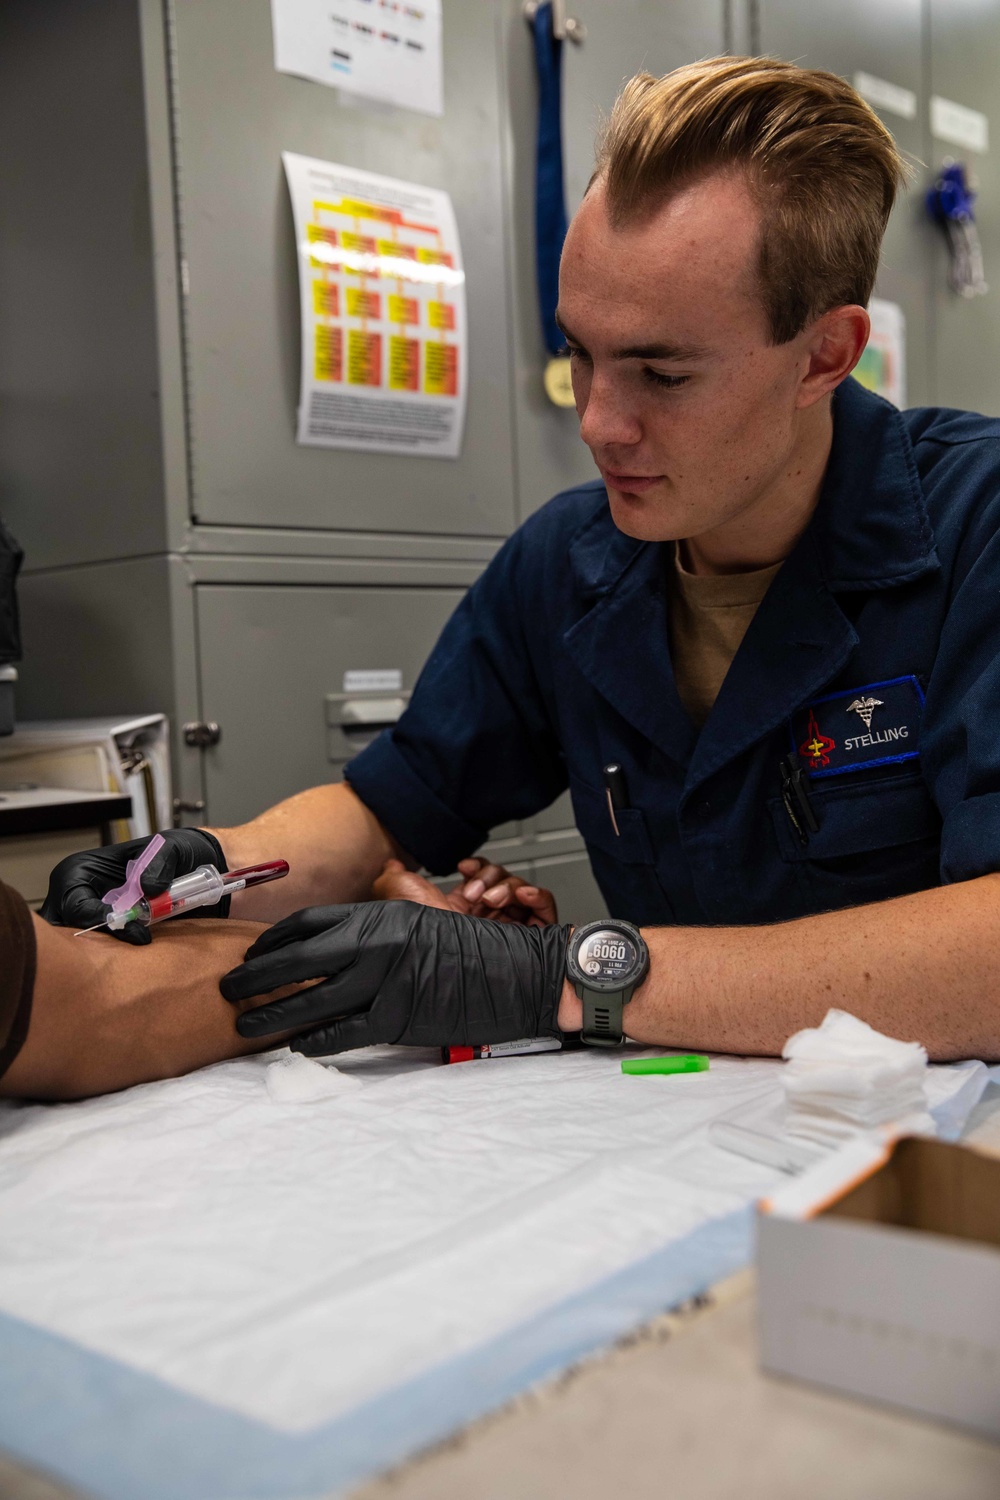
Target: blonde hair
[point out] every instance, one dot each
(822, 167)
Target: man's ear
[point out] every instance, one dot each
(833, 345)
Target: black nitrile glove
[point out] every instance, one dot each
(393, 971)
(79, 881)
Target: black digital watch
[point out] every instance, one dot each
(605, 962)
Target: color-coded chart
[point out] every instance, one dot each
(384, 348)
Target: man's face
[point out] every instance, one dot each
(693, 417)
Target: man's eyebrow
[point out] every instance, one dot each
(646, 351)
(661, 351)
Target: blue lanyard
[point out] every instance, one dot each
(951, 203)
(550, 193)
(951, 198)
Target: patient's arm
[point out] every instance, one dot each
(106, 1015)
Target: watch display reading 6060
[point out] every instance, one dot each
(605, 961)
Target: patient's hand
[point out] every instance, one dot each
(487, 891)
(105, 1015)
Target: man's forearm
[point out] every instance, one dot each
(922, 968)
(334, 844)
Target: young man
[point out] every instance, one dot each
(775, 614)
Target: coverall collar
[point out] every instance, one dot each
(870, 531)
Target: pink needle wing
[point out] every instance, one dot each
(124, 896)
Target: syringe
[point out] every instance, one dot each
(204, 886)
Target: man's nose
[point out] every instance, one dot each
(608, 419)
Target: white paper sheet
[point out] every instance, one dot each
(291, 1261)
(390, 52)
(382, 291)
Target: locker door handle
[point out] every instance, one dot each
(355, 719)
(368, 712)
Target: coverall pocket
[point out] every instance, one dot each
(877, 837)
(631, 844)
(623, 862)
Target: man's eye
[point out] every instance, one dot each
(669, 382)
(574, 352)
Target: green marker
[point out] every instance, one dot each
(694, 1062)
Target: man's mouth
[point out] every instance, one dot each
(633, 484)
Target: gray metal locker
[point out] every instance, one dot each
(234, 116)
(964, 66)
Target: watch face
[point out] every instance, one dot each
(607, 956)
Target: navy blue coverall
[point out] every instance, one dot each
(875, 655)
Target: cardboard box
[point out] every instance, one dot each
(879, 1275)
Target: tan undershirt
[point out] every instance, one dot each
(710, 614)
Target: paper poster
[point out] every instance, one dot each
(882, 366)
(388, 50)
(384, 352)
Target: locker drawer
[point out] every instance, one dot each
(271, 658)
(274, 664)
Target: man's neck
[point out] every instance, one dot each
(766, 532)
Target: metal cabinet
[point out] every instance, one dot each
(238, 251)
(964, 66)
(234, 116)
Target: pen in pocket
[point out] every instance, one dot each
(616, 792)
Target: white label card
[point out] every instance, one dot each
(389, 680)
(885, 95)
(958, 125)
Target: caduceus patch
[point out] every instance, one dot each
(875, 725)
(865, 707)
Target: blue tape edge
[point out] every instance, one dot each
(119, 1433)
(863, 765)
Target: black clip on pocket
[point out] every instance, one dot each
(796, 798)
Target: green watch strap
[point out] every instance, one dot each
(602, 1015)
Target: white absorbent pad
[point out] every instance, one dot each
(208, 1292)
